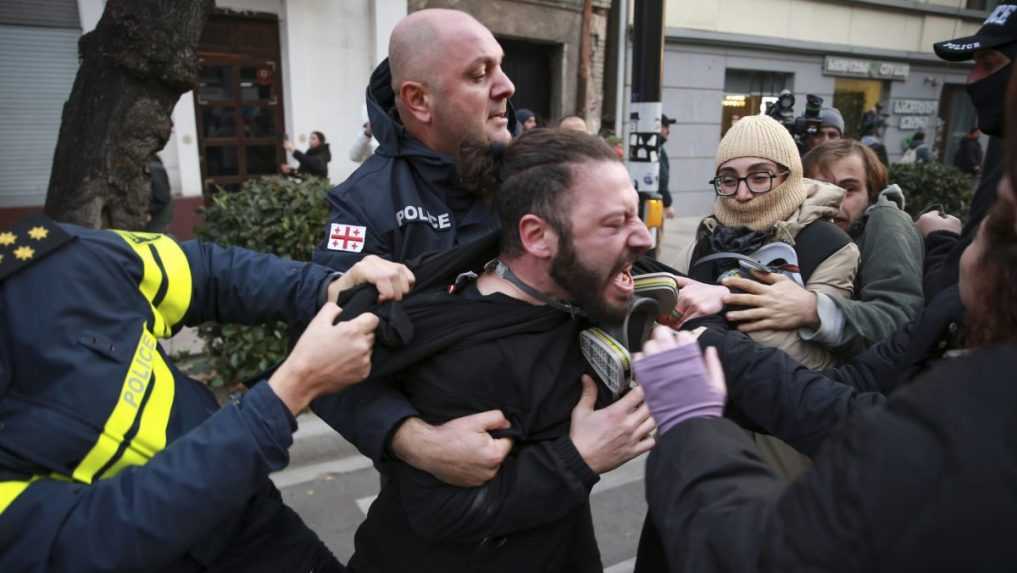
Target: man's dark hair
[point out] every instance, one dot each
(321, 136)
(532, 174)
(919, 136)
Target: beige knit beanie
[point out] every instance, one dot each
(761, 136)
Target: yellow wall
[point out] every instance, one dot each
(818, 21)
(872, 89)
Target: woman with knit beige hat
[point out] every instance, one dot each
(762, 199)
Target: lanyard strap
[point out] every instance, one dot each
(502, 270)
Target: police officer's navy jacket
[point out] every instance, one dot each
(110, 458)
(404, 201)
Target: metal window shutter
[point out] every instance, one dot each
(37, 70)
(46, 13)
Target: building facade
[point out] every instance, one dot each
(727, 58)
(269, 69)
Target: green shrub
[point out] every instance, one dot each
(273, 215)
(933, 183)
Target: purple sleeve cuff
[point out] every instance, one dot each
(676, 386)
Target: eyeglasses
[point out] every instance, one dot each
(757, 182)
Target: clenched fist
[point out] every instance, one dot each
(392, 280)
(327, 358)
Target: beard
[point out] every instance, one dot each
(585, 285)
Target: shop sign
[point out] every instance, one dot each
(914, 122)
(858, 68)
(914, 106)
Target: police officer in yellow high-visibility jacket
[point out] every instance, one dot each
(113, 460)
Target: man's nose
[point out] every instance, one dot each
(640, 239)
(503, 87)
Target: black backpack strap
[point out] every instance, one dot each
(706, 273)
(815, 243)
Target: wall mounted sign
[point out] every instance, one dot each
(914, 106)
(859, 68)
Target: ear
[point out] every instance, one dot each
(415, 98)
(538, 238)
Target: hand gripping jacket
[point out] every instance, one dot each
(112, 459)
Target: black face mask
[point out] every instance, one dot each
(987, 94)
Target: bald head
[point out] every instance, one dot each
(447, 79)
(415, 47)
(574, 122)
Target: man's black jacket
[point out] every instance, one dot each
(923, 483)
(770, 391)
(460, 354)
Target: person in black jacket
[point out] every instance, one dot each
(314, 163)
(664, 179)
(922, 482)
(969, 153)
(570, 235)
(160, 207)
(993, 50)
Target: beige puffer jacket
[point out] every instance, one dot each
(835, 276)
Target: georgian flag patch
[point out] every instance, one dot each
(349, 238)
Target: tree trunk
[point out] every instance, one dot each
(585, 55)
(135, 65)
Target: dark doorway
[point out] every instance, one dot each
(851, 106)
(238, 102)
(529, 65)
(957, 116)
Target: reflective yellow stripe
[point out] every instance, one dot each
(169, 292)
(151, 434)
(10, 490)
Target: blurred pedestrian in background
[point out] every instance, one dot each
(969, 153)
(664, 179)
(313, 163)
(526, 119)
(364, 145)
(831, 127)
(160, 208)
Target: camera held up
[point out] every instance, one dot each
(803, 126)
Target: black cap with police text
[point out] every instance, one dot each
(999, 29)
